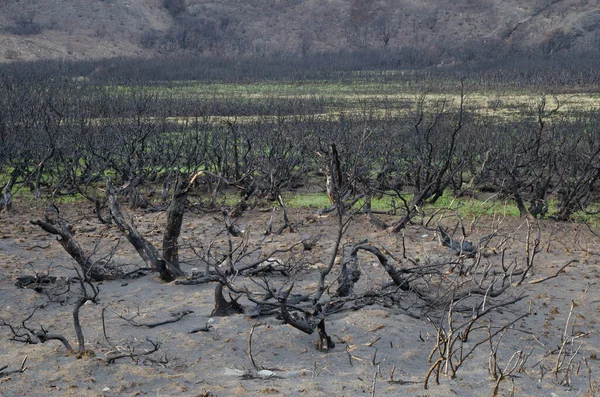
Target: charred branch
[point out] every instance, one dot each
(286, 221)
(460, 248)
(59, 227)
(144, 248)
(223, 307)
(232, 228)
(131, 352)
(175, 318)
(27, 335)
(350, 273)
(202, 279)
(305, 322)
(325, 342)
(4, 371)
(311, 242)
(173, 229)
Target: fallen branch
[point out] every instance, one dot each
(460, 248)
(177, 316)
(394, 273)
(131, 353)
(4, 372)
(250, 346)
(209, 278)
(555, 275)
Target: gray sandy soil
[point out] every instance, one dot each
(371, 343)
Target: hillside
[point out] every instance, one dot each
(84, 29)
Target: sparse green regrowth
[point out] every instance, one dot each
(308, 200)
(393, 128)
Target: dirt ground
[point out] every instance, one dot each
(371, 343)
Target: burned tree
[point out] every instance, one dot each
(166, 264)
(438, 156)
(88, 292)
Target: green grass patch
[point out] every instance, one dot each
(320, 200)
(472, 207)
(359, 92)
(26, 195)
(591, 216)
(307, 200)
(466, 207)
(69, 199)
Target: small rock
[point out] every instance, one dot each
(265, 373)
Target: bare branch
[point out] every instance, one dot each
(556, 274)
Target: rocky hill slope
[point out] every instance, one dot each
(84, 29)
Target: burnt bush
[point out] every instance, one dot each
(175, 7)
(24, 25)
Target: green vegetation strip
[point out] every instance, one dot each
(466, 207)
(378, 98)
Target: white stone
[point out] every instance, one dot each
(265, 373)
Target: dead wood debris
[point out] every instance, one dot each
(4, 371)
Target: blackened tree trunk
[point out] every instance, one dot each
(173, 230)
(167, 264)
(6, 200)
(144, 248)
